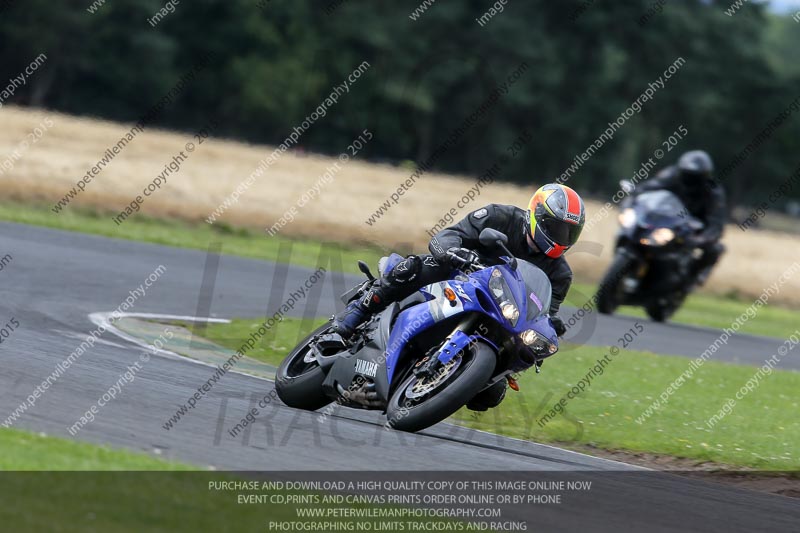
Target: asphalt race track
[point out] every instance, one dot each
(56, 279)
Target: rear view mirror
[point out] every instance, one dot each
(489, 237)
(492, 237)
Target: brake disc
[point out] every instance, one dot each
(420, 387)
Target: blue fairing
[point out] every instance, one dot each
(545, 327)
(532, 314)
(408, 325)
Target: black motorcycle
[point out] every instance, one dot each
(654, 257)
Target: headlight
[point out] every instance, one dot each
(627, 218)
(510, 311)
(528, 337)
(497, 284)
(502, 296)
(663, 235)
(538, 344)
(659, 237)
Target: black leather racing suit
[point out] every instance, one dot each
(515, 223)
(704, 201)
(415, 272)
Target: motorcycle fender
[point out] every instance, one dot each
(457, 342)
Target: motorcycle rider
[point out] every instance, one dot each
(540, 235)
(692, 181)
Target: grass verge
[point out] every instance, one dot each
(274, 346)
(700, 309)
(30, 451)
(244, 242)
(709, 311)
(761, 431)
(62, 485)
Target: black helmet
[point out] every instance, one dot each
(696, 164)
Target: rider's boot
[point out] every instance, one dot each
(358, 311)
(699, 277)
(400, 282)
(346, 322)
(703, 267)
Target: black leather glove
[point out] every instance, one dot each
(558, 325)
(462, 257)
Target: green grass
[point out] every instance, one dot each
(761, 432)
(273, 347)
(709, 311)
(244, 242)
(128, 502)
(29, 451)
(720, 313)
(52, 484)
(700, 309)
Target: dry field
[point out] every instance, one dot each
(52, 166)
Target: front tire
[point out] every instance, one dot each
(658, 313)
(662, 313)
(609, 290)
(298, 382)
(476, 366)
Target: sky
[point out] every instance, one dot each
(784, 6)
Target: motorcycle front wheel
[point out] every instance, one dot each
(659, 312)
(421, 403)
(608, 293)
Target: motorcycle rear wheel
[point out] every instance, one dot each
(298, 382)
(470, 375)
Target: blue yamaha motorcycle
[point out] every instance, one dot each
(423, 358)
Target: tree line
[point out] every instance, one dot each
(588, 62)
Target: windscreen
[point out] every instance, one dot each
(659, 208)
(538, 290)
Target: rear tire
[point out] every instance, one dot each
(477, 366)
(299, 383)
(608, 291)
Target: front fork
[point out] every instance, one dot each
(631, 285)
(457, 341)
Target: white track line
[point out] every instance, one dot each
(104, 319)
(627, 465)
